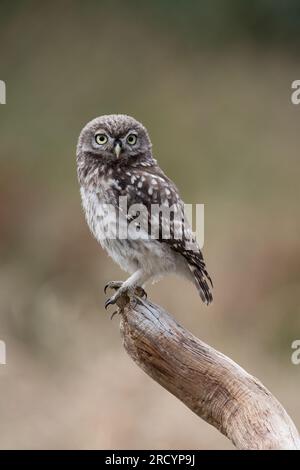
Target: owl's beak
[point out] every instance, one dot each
(117, 148)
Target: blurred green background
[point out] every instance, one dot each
(212, 83)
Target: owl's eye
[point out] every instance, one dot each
(101, 139)
(131, 139)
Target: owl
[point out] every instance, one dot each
(133, 209)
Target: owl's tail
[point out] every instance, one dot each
(203, 283)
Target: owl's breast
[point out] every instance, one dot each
(99, 207)
(109, 226)
(101, 212)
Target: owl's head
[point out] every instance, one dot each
(114, 137)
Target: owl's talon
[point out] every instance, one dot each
(113, 285)
(129, 291)
(110, 301)
(113, 314)
(140, 292)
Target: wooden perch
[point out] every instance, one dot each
(213, 386)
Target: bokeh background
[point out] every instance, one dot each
(212, 82)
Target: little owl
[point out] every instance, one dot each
(114, 164)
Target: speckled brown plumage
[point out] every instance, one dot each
(114, 159)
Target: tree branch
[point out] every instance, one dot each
(213, 386)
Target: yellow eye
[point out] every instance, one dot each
(131, 139)
(101, 139)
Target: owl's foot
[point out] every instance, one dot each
(113, 285)
(113, 314)
(140, 292)
(122, 291)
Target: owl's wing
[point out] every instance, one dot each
(154, 188)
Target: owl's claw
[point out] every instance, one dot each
(136, 291)
(111, 301)
(140, 292)
(113, 285)
(113, 314)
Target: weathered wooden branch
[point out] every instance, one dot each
(209, 383)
